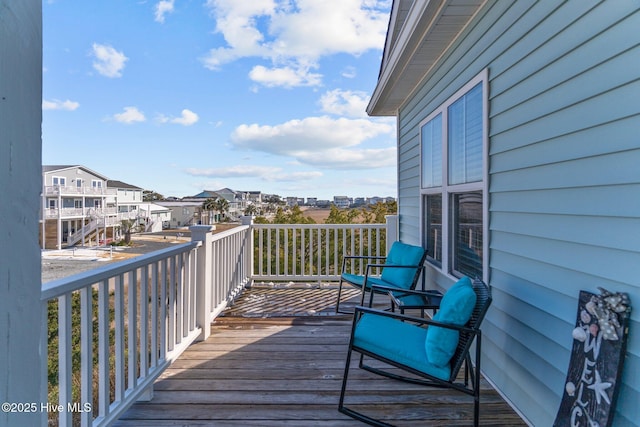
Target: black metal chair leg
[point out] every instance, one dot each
(339, 294)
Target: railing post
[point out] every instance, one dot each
(248, 220)
(392, 230)
(204, 234)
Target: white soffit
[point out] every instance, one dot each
(428, 30)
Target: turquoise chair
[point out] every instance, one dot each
(432, 350)
(401, 270)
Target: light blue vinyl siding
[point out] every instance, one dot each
(408, 180)
(564, 182)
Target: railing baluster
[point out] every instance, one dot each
(310, 251)
(336, 257)
(269, 271)
(294, 246)
(172, 304)
(226, 256)
(164, 316)
(285, 233)
(179, 298)
(319, 253)
(144, 322)
(261, 252)
(120, 338)
(352, 239)
(64, 357)
(103, 348)
(303, 259)
(86, 353)
(132, 330)
(327, 261)
(154, 315)
(218, 272)
(192, 292)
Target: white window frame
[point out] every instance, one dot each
(447, 191)
(96, 183)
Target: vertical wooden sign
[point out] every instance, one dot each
(597, 356)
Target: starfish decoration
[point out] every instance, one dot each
(600, 388)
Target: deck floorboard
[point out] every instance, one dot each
(279, 370)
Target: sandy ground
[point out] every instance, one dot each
(317, 214)
(66, 262)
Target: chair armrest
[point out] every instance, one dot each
(356, 257)
(359, 311)
(429, 293)
(391, 266)
(363, 257)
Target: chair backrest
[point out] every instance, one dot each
(404, 254)
(483, 301)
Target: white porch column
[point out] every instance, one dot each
(21, 363)
(248, 220)
(204, 278)
(392, 230)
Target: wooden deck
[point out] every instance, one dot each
(278, 369)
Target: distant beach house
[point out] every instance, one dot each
(189, 210)
(83, 207)
(183, 212)
(518, 162)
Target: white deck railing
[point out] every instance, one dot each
(313, 252)
(54, 190)
(118, 327)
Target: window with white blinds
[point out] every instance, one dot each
(453, 141)
(464, 138)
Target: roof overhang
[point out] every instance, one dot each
(420, 32)
(48, 169)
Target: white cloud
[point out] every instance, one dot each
(162, 8)
(295, 34)
(108, 61)
(320, 141)
(266, 173)
(349, 72)
(339, 158)
(187, 118)
(317, 28)
(56, 104)
(239, 171)
(236, 20)
(285, 76)
(345, 103)
(130, 115)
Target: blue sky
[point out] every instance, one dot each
(178, 96)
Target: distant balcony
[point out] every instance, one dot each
(115, 330)
(75, 213)
(71, 190)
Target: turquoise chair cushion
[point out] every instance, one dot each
(402, 254)
(398, 341)
(456, 308)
